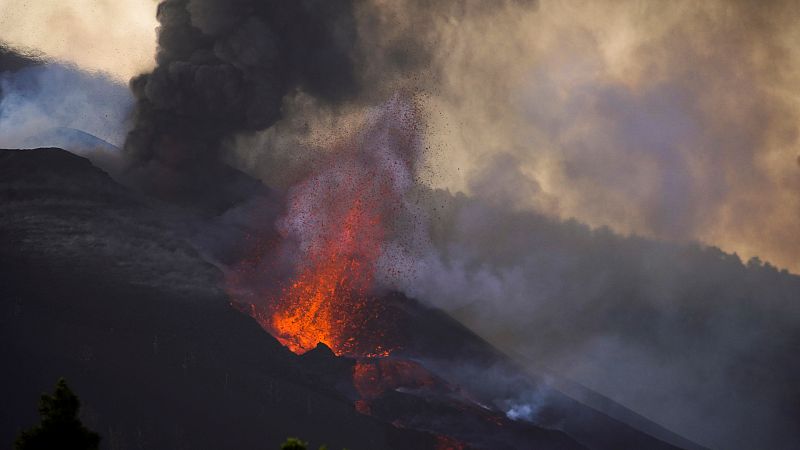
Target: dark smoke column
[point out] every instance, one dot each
(223, 67)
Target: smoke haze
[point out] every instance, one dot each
(554, 130)
(688, 336)
(648, 119)
(695, 103)
(38, 99)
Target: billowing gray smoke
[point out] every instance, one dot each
(687, 335)
(228, 69)
(224, 67)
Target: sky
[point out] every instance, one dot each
(116, 37)
(671, 120)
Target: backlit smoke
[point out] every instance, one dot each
(116, 38)
(223, 68)
(644, 119)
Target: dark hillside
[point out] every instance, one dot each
(95, 289)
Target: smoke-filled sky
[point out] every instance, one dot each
(669, 119)
(672, 120)
(117, 37)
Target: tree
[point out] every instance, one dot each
(297, 444)
(60, 427)
(294, 444)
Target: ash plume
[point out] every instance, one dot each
(538, 119)
(224, 68)
(545, 115)
(229, 76)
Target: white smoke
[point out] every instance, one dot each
(37, 100)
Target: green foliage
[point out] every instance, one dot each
(297, 444)
(294, 444)
(60, 427)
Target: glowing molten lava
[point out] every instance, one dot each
(333, 236)
(372, 378)
(328, 301)
(448, 443)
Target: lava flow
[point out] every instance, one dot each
(372, 378)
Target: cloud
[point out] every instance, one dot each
(38, 99)
(673, 121)
(689, 336)
(114, 37)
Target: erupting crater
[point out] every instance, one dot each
(329, 300)
(333, 234)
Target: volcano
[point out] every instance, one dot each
(101, 286)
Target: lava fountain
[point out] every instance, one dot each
(337, 224)
(328, 301)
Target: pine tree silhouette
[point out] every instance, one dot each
(60, 427)
(294, 444)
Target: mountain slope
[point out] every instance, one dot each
(101, 288)
(96, 289)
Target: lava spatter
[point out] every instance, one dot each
(337, 223)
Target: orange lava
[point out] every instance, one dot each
(448, 443)
(362, 406)
(329, 297)
(374, 377)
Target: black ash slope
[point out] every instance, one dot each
(95, 288)
(99, 287)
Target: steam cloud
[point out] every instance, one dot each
(51, 104)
